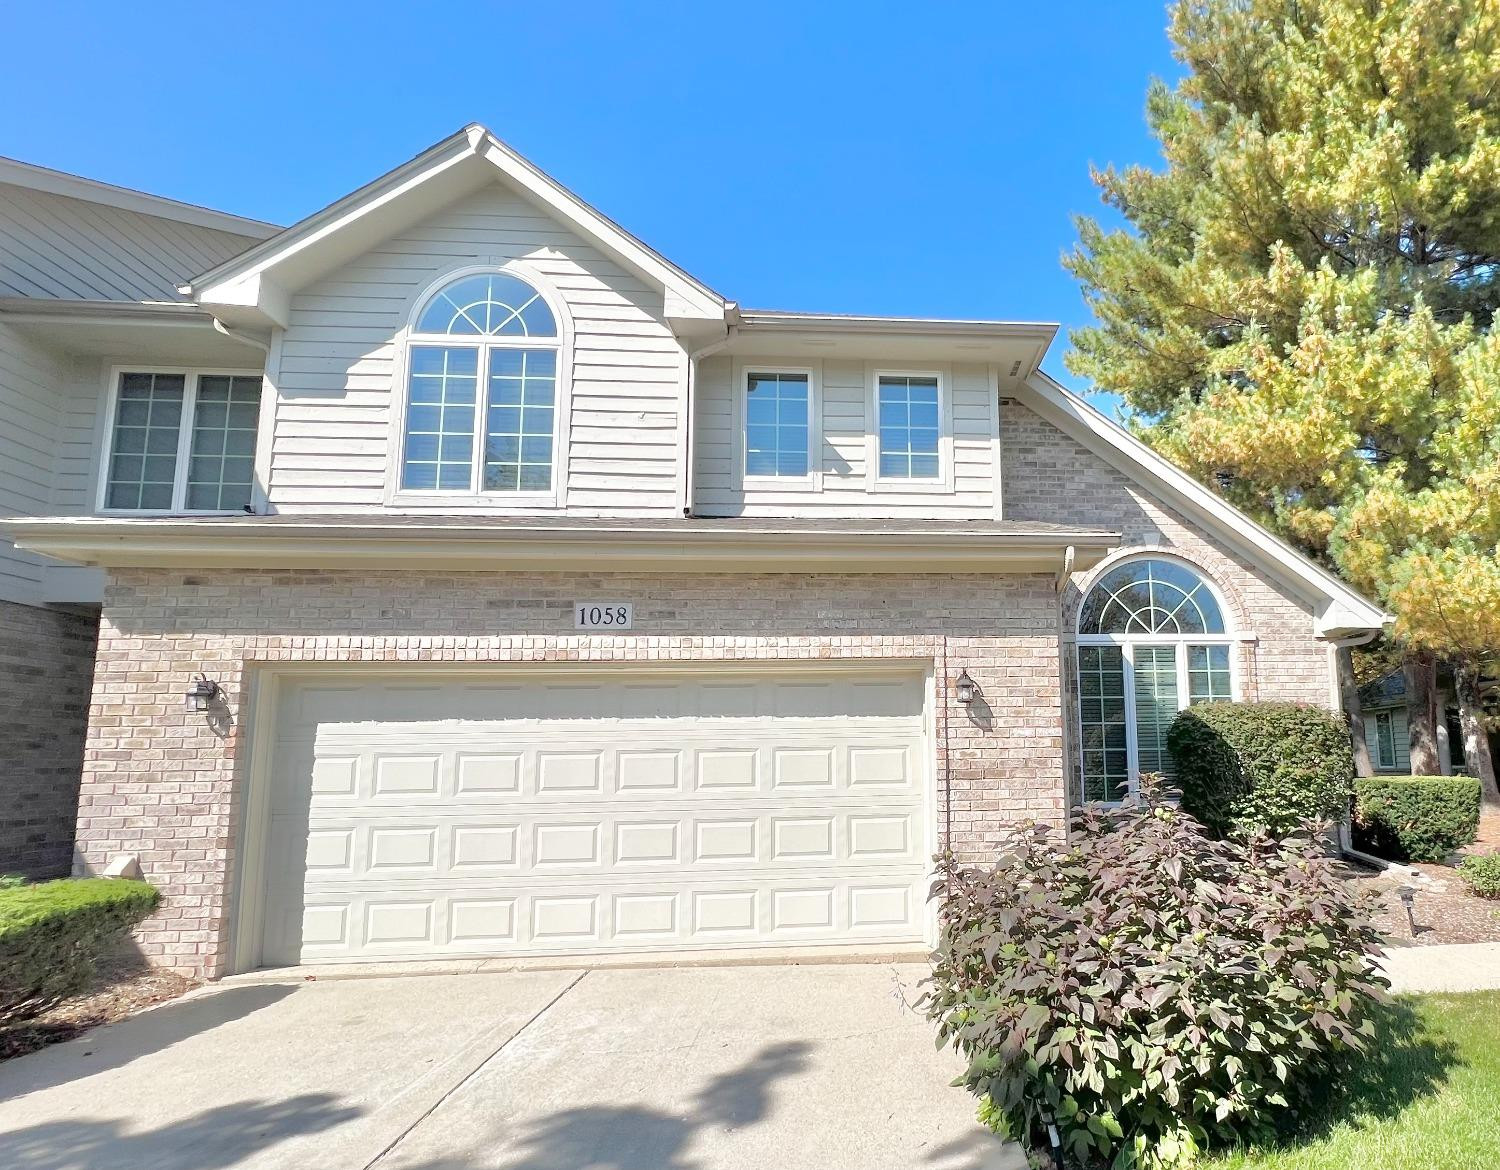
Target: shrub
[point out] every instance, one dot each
(1273, 766)
(1481, 874)
(52, 933)
(1415, 818)
(1148, 989)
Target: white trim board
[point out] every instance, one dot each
(1339, 610)
(260, 280)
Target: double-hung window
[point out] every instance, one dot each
(908, 415)
(181, 441)
(778, 423)
(481, 394)
(1151, 641)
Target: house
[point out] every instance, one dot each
(1383, 707)
(476, 582)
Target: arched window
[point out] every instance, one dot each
(1151, 640)
(481, 398)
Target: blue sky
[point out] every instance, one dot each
(838, 157)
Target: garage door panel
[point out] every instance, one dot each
(461, 818)
(703, 913)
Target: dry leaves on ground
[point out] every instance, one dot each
(124, 985)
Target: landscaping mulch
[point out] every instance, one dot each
(123, 985)
(1444, 910)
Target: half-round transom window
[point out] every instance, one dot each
(1151, 641)
(1150, 597)
(492, 304)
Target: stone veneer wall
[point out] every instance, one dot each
(159, 783)
(46, 665)
(1048, 476)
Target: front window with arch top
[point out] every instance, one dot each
(481, 397)
(1151, 640)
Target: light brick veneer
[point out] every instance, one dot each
(46, 663)
(159, 783)
(1051, 477)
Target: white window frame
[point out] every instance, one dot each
(942, 483)
(474, 498)
(1127, 644)
(813, 480)
(191, 376)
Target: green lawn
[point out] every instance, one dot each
(1427, 1098)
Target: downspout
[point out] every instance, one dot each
(690, 455)
(1346, 829)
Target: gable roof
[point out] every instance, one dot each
(1339, 611)
(35, 178)
(253, 288)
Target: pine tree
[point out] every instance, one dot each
(1300, 312)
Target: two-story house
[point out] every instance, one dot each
(476, 582)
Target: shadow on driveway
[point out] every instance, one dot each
(115, 1045)
(208, 1141)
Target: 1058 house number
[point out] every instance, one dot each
(602, 615)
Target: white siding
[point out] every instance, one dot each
(57, 247)
(30, 377)
(846, 487)
(336, 369)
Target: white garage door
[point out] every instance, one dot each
(432, 817)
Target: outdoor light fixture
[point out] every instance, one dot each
(968, 689)
(203, 693)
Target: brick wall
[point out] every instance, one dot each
(1051, 477)
(160, 783)
(46, 663)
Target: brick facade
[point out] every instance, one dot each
(1051, 477)
(160, 783)
(46, 665)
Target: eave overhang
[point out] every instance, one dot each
(659, 547)
(1015, 347)
(254, 289)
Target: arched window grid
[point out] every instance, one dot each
(484, 402)
(1152, 640)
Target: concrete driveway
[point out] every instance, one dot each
(679, 1069)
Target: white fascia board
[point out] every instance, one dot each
(236, 274)
(685, 299)
(1338, 609)
(172, 542)
(44, 179)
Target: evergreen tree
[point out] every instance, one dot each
(1301, 312)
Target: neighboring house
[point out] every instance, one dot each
(539, 600)
(1383, 706)
(86, 270)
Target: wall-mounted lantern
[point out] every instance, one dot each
(968, 689)
(203, 694)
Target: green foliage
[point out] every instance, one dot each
(1146, 988)
(11, 881)
(1481, 874)
(52, 933)
(1246, 766)
(1300, 309)
(1415, 818)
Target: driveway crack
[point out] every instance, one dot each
(474, 1072)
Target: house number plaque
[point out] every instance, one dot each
(602, 615)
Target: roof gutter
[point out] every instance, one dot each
(665, 548)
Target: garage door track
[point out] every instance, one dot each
(677, 1069)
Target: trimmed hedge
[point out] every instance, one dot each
(1415, 818)
(1253, 766)
(52, 933)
